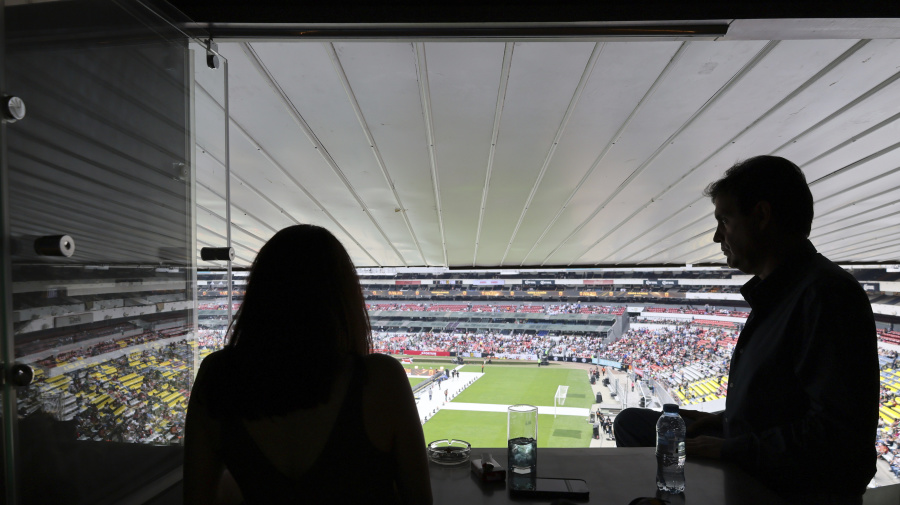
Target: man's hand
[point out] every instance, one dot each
(703, 423)
(704, 447)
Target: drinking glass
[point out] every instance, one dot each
(521, 436)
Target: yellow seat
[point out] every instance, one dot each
(889, 412)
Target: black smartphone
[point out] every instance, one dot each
(522, 486)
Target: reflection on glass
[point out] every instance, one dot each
(212, 300)
(106, 156)
(116, 377)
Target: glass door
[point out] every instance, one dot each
(100, 253)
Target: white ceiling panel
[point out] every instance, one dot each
(463, 86)
(542, 80)
(386, 90)
(545, 153)
(694, 76)
(677, 176)
(831, 96)
(876, 181)
(622, 76)
(314, 88)
(261, 112)
(887, 244)
(878, 142)
(278, 190)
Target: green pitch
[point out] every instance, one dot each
(510, 385)
(488, 429)
(532, 385)
(415, 380)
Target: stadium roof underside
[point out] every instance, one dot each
(548, 145)
(480, 327)
(474, 321)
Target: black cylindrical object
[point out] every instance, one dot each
(599, 397)
(596, 432)
(217, 253)
(55, 245)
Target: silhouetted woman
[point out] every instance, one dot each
(280, 406)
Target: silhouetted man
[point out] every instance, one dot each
(803, 389)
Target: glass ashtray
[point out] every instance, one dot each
(449, 451)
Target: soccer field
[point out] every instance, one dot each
(532, 385)
(424, 365)
(509, 385)
(428, 364)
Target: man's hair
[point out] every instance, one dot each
(771, 179)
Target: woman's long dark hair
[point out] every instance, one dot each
(303, 308)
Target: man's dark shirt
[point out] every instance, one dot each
(802, 404)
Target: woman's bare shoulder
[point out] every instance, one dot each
(211, 369)
(383, 364)
(385, 374)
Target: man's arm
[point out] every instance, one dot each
(702, 423)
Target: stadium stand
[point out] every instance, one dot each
(132, 389)
(890, 337)
(887, 442)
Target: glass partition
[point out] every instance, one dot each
(216, 297)
(103, 231)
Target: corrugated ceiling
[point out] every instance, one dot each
(546, 153)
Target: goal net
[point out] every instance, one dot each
(559, 399)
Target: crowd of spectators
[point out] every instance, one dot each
(888, 359)
(97, 349)
(661, 353)
(887, 443)
(566, 308)
(140, 414)
(462, 342)
(706, 311)
(218, 306)
(40, 345)
(210, 341)
(511, 345)
(137, 397)
(889, 336)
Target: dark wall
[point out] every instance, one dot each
(410, 11)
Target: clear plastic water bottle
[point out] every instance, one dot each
(670, 431)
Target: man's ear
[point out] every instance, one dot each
(763, 213)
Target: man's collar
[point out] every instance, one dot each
(760, 292)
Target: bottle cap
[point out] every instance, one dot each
(670, 408)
